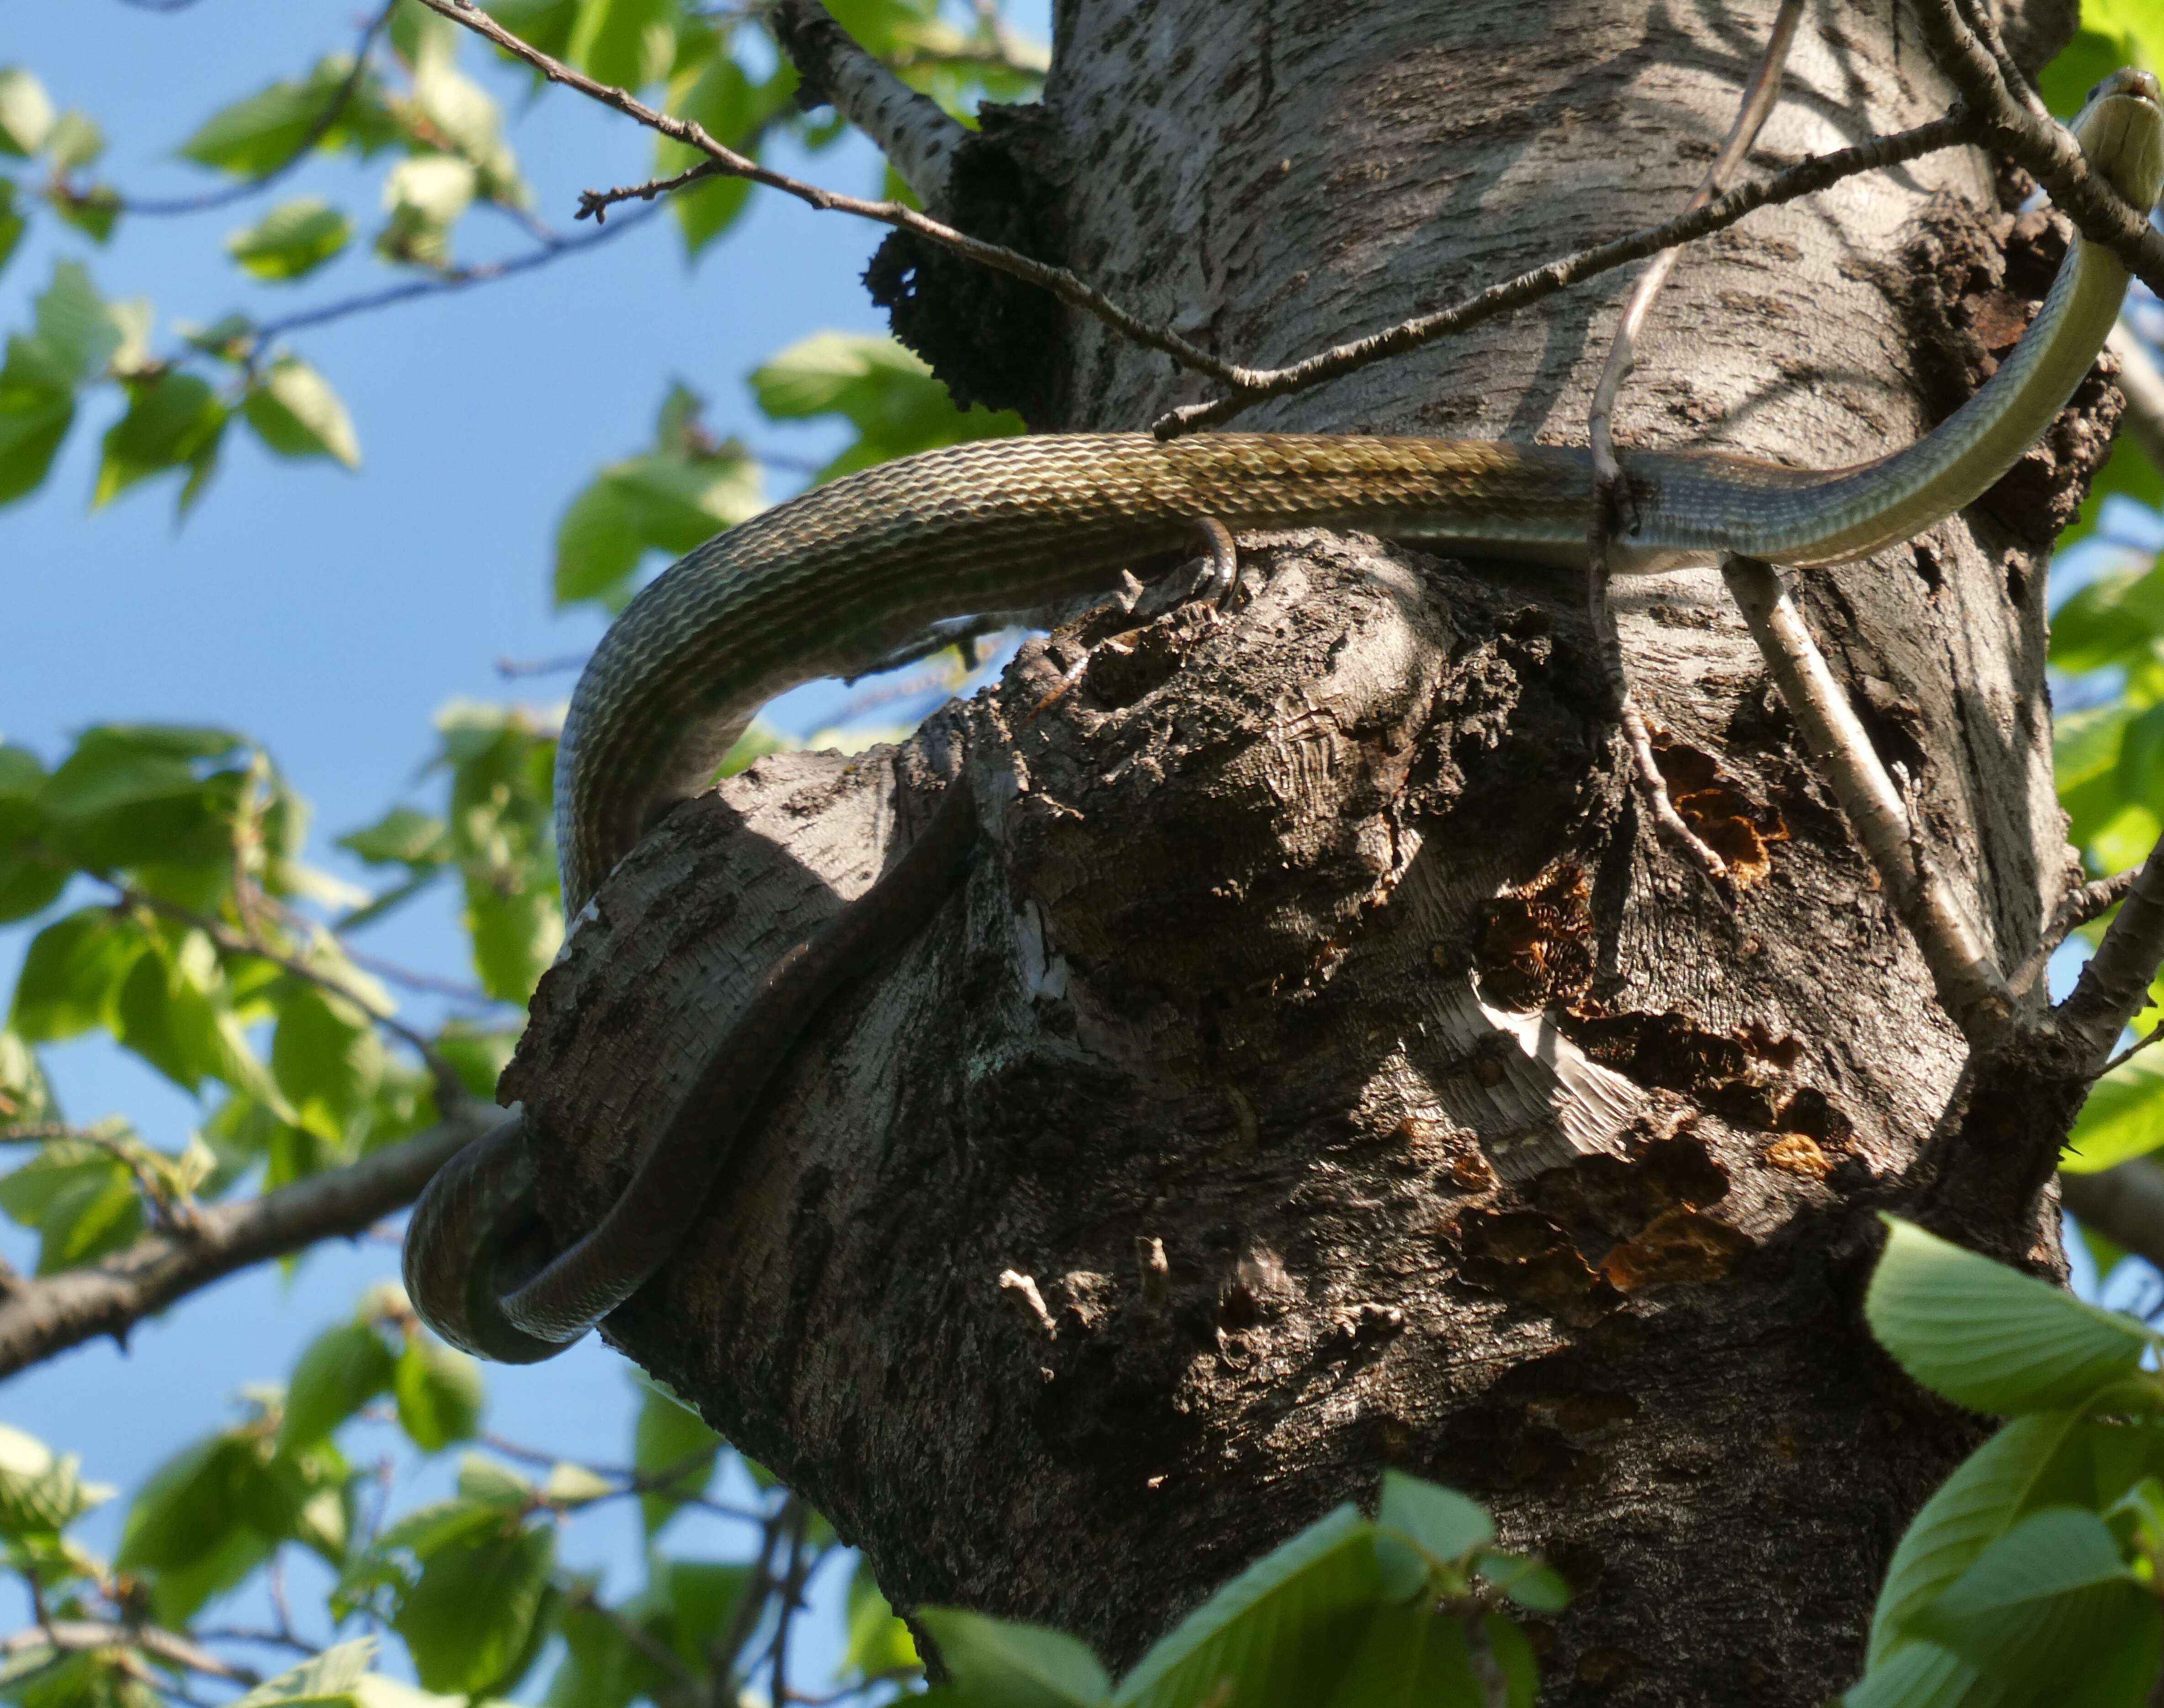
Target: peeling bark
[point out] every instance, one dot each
(1322, 1031)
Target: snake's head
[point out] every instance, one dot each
(2121, 130)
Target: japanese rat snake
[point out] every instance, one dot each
(839, 577)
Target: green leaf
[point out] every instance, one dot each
(440, 1394)
(702, 1599)
(263, 130)
(343, 1368)
(887, 394)
(2039, 1601)
(12, 221)
(671, 1437)
(1532, 1585)
(997, 1663)
(1923, 1675)
(94, 211)
(40, 1490)
(395, 1557)
(2110, 621)
(879, 1643)
(77, 330)
(33, 425)
(426, 196)
(328, 1059)
(2029, 1462)
(571, 1486)
(296, 413)
(515, 937)
(81, 1198)
(2122, 1119)
(71, 978)
(1446, 1527)
(629, 43)
(475, 1614)
(174, 421)
(401, 837)
(188, 1508)
(494, 1485)
(75, 141)
(329, 1678)
(293, 240)
(688, 489)
(25, 1094)
(1280, 1632)
(1988, 1337)
(26, 112)
(1410, 1656)
(546, 24)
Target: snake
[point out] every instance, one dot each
(840, 577)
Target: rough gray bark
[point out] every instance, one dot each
(1322, 1031)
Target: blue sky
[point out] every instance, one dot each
(330, 614)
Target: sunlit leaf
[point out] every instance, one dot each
(40, 1490)
(261, 131)
(174, 421)
(2122, 1119)
(342, 1370)
(886, 393)
(1988, 1337)
(1280, 1632)
(1001, 1663)
(472, 1621)
(293, 240)
(296, 413)
(440, 1393)
(26, 112)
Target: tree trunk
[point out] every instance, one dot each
(1324, 1067)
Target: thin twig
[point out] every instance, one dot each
(42, 1316)
(317, 131)
(2114, 986)
(440, 284)
(1759, 96)
(647, 1643)
(1067, 287)
(2040, 145)
(1805, 178)
(792, 1600)
(1965, 978)
(2077, 908)
(2131, 1051)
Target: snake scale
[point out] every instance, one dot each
(840, 577)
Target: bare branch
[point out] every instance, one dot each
(2040, 145)
(1803, 178)
(453, 279)
(2114, 985)
(76, 1636)
(41, 1317)
(1067, 287)
(1965, 978)
(334, 110)
(911, 130)
(2077, 908)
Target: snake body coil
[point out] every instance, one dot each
(830, 582)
